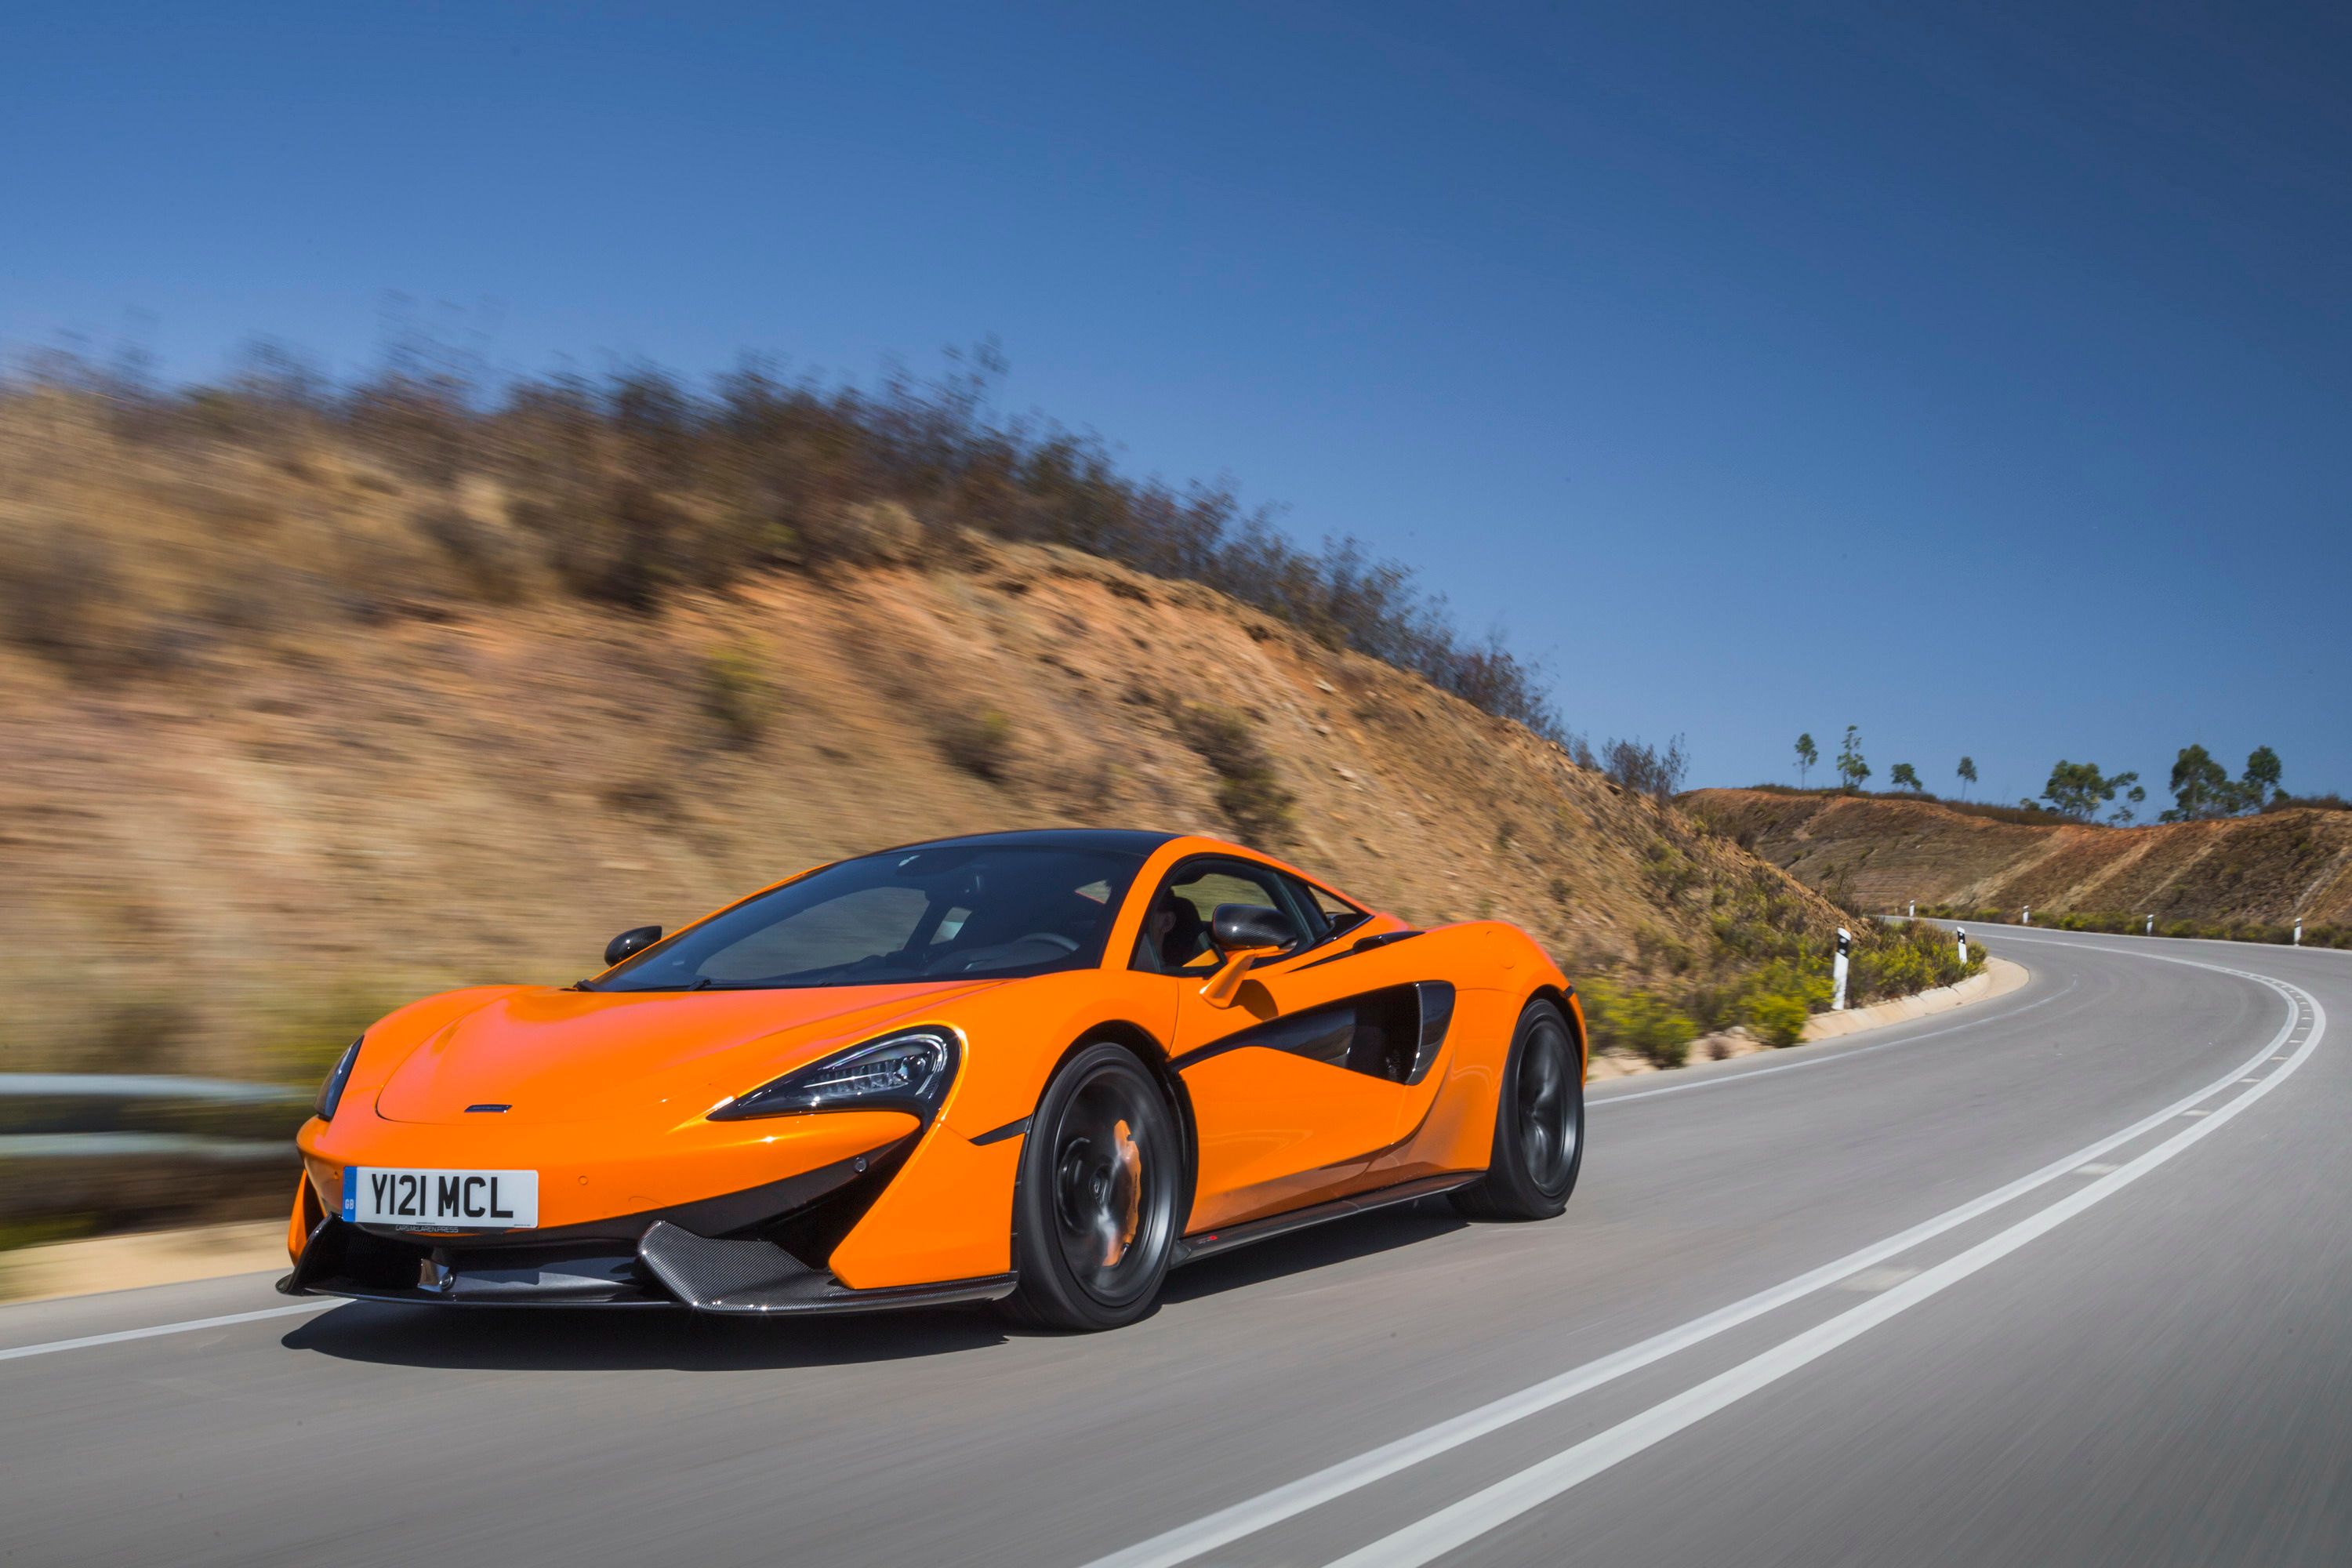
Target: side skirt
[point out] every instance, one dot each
(1225, 1238)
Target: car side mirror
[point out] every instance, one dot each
(1250, 925)
(1244, 934)
(629, 942)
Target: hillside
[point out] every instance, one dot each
(2273, 868)
(334, 787)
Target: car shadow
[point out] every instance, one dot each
(586, 1339)
(561, 1339)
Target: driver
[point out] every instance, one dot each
(1174, 931)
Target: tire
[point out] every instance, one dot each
(1539, 1124)
(1094, 1210)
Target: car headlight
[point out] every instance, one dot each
(906, 1071)
(331, 1093)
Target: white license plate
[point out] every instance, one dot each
(441, 1200)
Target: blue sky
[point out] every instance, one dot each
(1978, 376)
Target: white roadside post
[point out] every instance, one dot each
(1837, 996)
(2151, 925)
(2029, 915)
(1914, 909)
(2298, 931)
(1964, 945)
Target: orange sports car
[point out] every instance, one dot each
(1039, 1067)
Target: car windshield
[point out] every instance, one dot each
(1000, 911)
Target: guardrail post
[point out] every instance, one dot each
(1837, 996)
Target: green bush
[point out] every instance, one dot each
(1638, 1021)
(1777, 1018)
(1909, 957)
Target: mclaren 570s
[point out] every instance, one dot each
(1040, 1069)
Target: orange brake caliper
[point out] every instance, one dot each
(1131, 1160)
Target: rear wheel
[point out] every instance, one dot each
(1539, 1124)
(1094, 1216)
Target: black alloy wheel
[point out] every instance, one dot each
(1539, 1124)
(1094, 1215)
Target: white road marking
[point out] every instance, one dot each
(2096, 1168)
(1871, 1279)
(1187, 1541)
(1595, 1102)
(1474, 1516)
(191, 1326)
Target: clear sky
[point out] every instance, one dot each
(1981, 376)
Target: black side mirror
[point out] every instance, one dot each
(630, 941)
(1238, 926)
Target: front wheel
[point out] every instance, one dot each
(1539, 1124)
(1094, 1216)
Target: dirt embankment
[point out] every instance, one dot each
(2275, 868)
(231, 869)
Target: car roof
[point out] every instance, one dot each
(1137, 842)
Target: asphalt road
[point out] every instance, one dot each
(2063, 1278)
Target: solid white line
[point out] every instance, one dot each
(1188, 1542)
(191, 1326)
(1596, 1101)
(1474, 1516)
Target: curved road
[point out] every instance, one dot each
(2066, 1277)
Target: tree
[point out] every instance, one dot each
(2125, 815)
(2199, 787)
(1808, 756)
(1968, 772)
(1850, 765)
(2079, 789)
(2262, 780)
(1906, 776)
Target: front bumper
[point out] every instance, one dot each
(670, 1266)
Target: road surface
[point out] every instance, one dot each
(2066, 1277)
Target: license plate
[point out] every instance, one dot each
(441, 1200)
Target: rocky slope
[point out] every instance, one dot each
(2274, 867)
(231, 865)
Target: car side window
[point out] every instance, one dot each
(1340, 916)
(1175, 935)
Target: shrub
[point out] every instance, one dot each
(978, 743)
(1645, 768)
(489, 560)
(737, 692)
(864, 534)
(1908, 957)
(1777, 1018)
(1623, 1019)
(1249, 792)
(635, 485)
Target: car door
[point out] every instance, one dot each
(1296, 1086)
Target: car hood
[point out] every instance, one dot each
(553, 1056)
